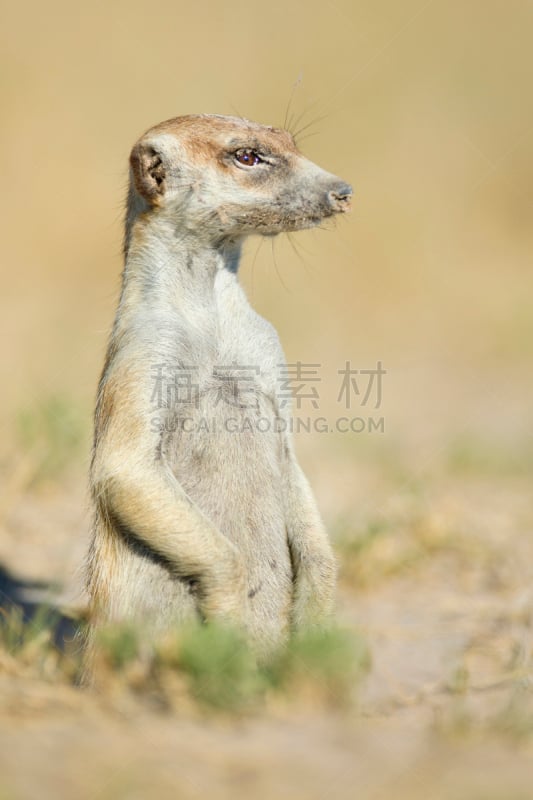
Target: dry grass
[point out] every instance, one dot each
(210, 665)
(214, 668)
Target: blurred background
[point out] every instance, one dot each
(425, 107)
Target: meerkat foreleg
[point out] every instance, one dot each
(312, 556)
(148, 504)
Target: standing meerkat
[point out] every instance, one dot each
(201, 508)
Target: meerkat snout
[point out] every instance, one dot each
(340, 197)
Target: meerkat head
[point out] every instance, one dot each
(227, 178)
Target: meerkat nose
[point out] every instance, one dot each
(339, 197)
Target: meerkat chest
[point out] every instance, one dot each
(226, 361)
(248, 352)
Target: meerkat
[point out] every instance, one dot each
(200, 512)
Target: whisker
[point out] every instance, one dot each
(295, 85)
(297, 253)
(257, 249)
(301, 116)
(276, 267)
(236, 111)
(306, 111)
(301, 248)
(308, 136)
(310, 124)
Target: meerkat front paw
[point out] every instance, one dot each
(223, 597)
(314, 592)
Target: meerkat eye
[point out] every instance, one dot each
(247, 157)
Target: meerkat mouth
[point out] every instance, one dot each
(272, 221)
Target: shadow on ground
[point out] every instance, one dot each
(34, 600)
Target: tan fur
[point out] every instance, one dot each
(189, 523)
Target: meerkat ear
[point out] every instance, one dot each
(148, 172)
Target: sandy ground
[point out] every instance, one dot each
(445, 711)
